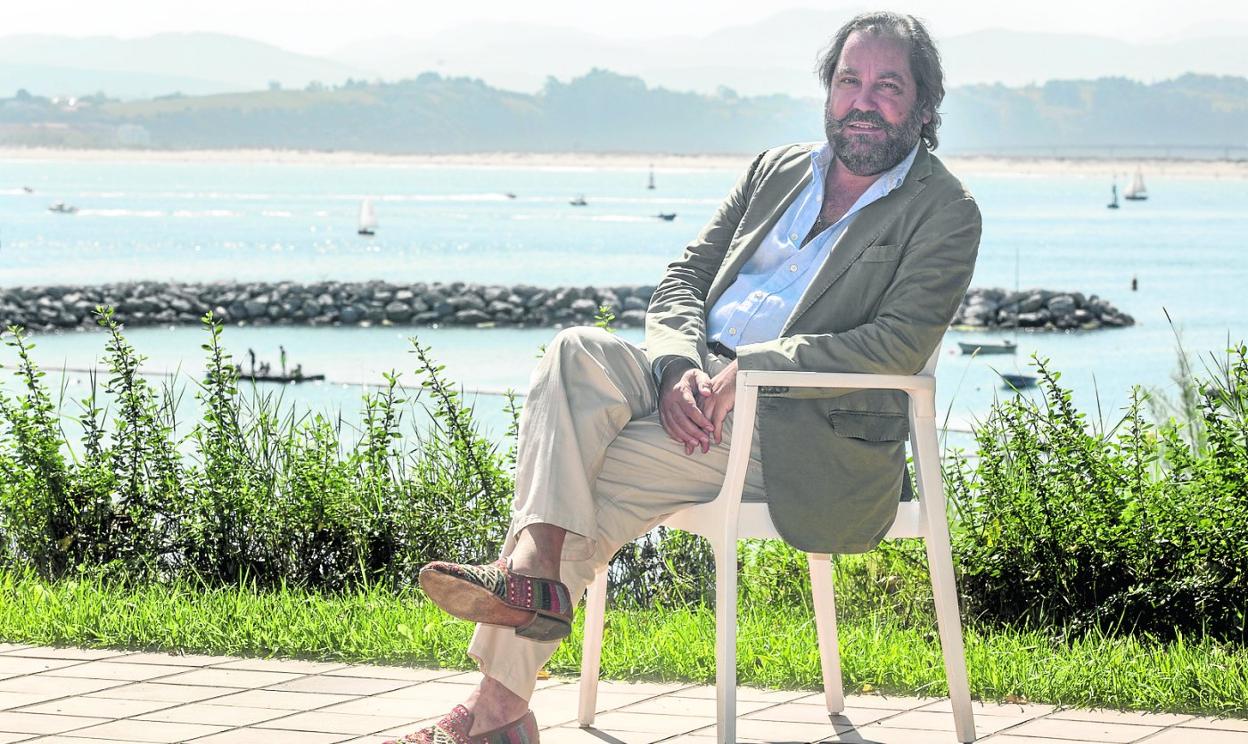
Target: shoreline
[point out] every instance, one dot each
(982, 164)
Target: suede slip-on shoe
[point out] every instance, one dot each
(483, 593)
(454, 728)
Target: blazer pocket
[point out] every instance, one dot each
(882, 253)
(870, 427)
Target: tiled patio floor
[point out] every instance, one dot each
(77, 696)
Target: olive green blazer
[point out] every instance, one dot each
(832, 463)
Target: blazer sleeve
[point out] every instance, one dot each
(917, 307)
(676, 318)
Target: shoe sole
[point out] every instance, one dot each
(473, 602)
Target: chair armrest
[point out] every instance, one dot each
(835, 380)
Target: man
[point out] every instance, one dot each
(845, 256)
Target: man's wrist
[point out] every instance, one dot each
(671, 367)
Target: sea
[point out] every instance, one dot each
(230, 219)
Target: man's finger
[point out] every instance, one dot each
(690, 409)
(694, 435)
(719, 418)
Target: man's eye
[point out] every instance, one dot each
(848, 81)
(892, 86)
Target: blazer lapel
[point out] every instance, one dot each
(865, 229)
(781, 188)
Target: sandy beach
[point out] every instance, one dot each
(1174, 168)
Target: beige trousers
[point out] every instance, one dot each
(593, 459)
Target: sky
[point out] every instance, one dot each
(320, 26)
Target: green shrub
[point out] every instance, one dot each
(1138, 527)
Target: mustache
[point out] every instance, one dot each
(863, 117)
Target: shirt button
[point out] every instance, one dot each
(792, 236)
(758, 294)
(792, 267)
(732, 331)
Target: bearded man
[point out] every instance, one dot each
(849, 255)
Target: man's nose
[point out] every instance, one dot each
(864, 100)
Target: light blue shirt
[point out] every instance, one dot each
(758, 304)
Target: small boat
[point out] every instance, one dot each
(666, 216)
(1113, 204)
(988, 347)
(62, 208)
(284, 379)
(28, 190)
(1017, 380)
(509, 195)
(368, 219)
(650, 185)
(579, 201)
(1136, 191)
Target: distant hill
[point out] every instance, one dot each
(775, 55)
(607, 112)
(192, 64)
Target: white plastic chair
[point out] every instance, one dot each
(725, 520)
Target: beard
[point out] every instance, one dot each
(859, 154)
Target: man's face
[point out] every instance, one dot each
(871, 118)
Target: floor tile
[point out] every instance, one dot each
(39, 723)
(1119, 716)
(803, 713)
(281, 700)
(428, 691)
(133, 730)
(67, 653)
(213, 677)
(674, 706)
(11, 700)
(1218, 724)
(751, 694)
(94, 707)
(786, 731)
(217, 715)
(886, 735)
(185, 660)
(161, 691)
(343, 685)
(119, 671)
(271, 736)
(1110, 733)
(294, 666)
(650, 723)
(411, 674)
(336, 723)
(931, 720)
(1027, 710)
(15, 665)
(56, 686)
(1198, 736)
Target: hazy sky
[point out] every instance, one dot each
(316, 26)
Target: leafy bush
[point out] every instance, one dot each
(251, 493)
(1140, 526)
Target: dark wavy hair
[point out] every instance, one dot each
(925, 67)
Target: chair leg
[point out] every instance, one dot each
(726, 641)
(825, 627)
(591, 648)
(940, 564)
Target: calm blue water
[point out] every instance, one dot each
(206, 221)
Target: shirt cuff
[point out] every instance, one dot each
(662, 363)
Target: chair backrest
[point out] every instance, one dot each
(929, 369)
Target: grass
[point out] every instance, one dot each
(776, 646)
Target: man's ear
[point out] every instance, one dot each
(927, 116)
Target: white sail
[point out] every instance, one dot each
(368, 218)
(1136, 188)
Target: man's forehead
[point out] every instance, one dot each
(886, 55)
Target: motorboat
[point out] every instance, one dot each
(579, 201)
(666, 216)
(63, 208)
(988, 347)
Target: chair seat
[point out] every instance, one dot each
(756, 521)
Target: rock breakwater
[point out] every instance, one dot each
(457, 303)
(1040, 309)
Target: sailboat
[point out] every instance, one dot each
(1016, 380)
(650, 185)
(368, 218)
(1113, 204)
(1136, 191)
